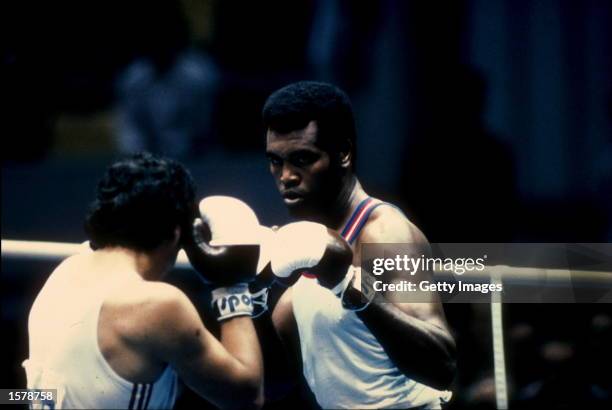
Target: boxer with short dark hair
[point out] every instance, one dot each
(383, 353)
(132, 193)
(107, 332)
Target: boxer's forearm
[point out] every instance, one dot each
(281, 368)
(421, 350)
(239, 338)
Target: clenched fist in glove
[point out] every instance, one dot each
(225, 247)
(311, 247)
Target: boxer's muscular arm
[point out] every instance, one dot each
(414, 335)
(284, 371)
(227, 373)
(286, 328)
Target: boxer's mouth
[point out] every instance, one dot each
(292, 197)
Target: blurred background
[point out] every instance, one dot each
(485, 120)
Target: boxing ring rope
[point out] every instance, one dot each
(56, 251)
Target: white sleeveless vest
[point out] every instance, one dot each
(343, 362)
(64, 355)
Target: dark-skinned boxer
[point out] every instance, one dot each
(386, 353)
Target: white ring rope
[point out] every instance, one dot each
(56, 251)
(59, 250)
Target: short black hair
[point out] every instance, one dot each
(295, 105)
(139, 202)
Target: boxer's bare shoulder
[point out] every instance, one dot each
(142, 308)
(143, 325)
(70, 265)
(388, 224)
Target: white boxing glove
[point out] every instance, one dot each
(226, 247)
(230, 220)
(311, 246)
(298, 246)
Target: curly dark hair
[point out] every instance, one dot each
(139, 202)
(295, 105)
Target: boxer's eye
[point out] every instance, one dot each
(304, 158)
(275, 161)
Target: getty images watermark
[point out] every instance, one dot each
(481, 273)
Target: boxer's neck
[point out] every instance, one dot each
(151, 265)
(345, 204)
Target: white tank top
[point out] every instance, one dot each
(343, 362)
(64, 354)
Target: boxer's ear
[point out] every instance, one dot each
(346, 156)
(177, 236)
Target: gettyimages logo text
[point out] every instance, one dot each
(412, 265)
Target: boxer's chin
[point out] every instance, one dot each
(300, 209)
